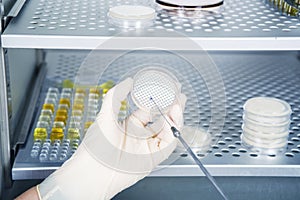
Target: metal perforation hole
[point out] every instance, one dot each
(290, 155)
(225, 150)
(218, 154)
(235, 154)
(295, 139)
(242, 150)
(183, 155)
(253, 154)
(295, 150)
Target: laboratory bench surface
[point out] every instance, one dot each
(236, 188)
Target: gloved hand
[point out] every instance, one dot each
(112, 155)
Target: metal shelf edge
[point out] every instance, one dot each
(93, 42)
(21, 173)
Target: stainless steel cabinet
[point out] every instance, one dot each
(254, 47)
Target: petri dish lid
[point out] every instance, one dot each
(191, 4)
(267, 106)
(153, 84)
(132, 12)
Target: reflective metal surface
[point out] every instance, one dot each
(245, 75)
(83, 24)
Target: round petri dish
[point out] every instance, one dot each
(197, 138)
(266, 127)
(189, 5)
(131, 16)
(252, 142)
(267, 107)
(154, 87)
(264, 135)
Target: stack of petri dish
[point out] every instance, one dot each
(266, 124)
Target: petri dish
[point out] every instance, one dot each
(131, 16)
(266, 124)
(267, 107)
(263, 145)
(264, 135)
(266, 127)
(154, 87)
(189, 5)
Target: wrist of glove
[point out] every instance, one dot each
(112, 156)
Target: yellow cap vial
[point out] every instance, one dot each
(61, 118)
(77, 113)
(78, 106)
(42, 124)
(73, 133)
(65, 101)
(94, 91)
(62, 112)
(49, 106)
(88, 124)
(45, 118)
(53, 90)
(123, 105)
(107, 85)
(79, 101)
(63, 107)
(57, 134)
(79, 95)
(51, 96)
(47, 112)
(80, 90)
(94, 97)
(58, 124)
(40, 134)
(76, 119)
(67, 90)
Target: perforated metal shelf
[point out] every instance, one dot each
(245, 75)
(83, 24)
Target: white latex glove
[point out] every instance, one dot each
(112, 156)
